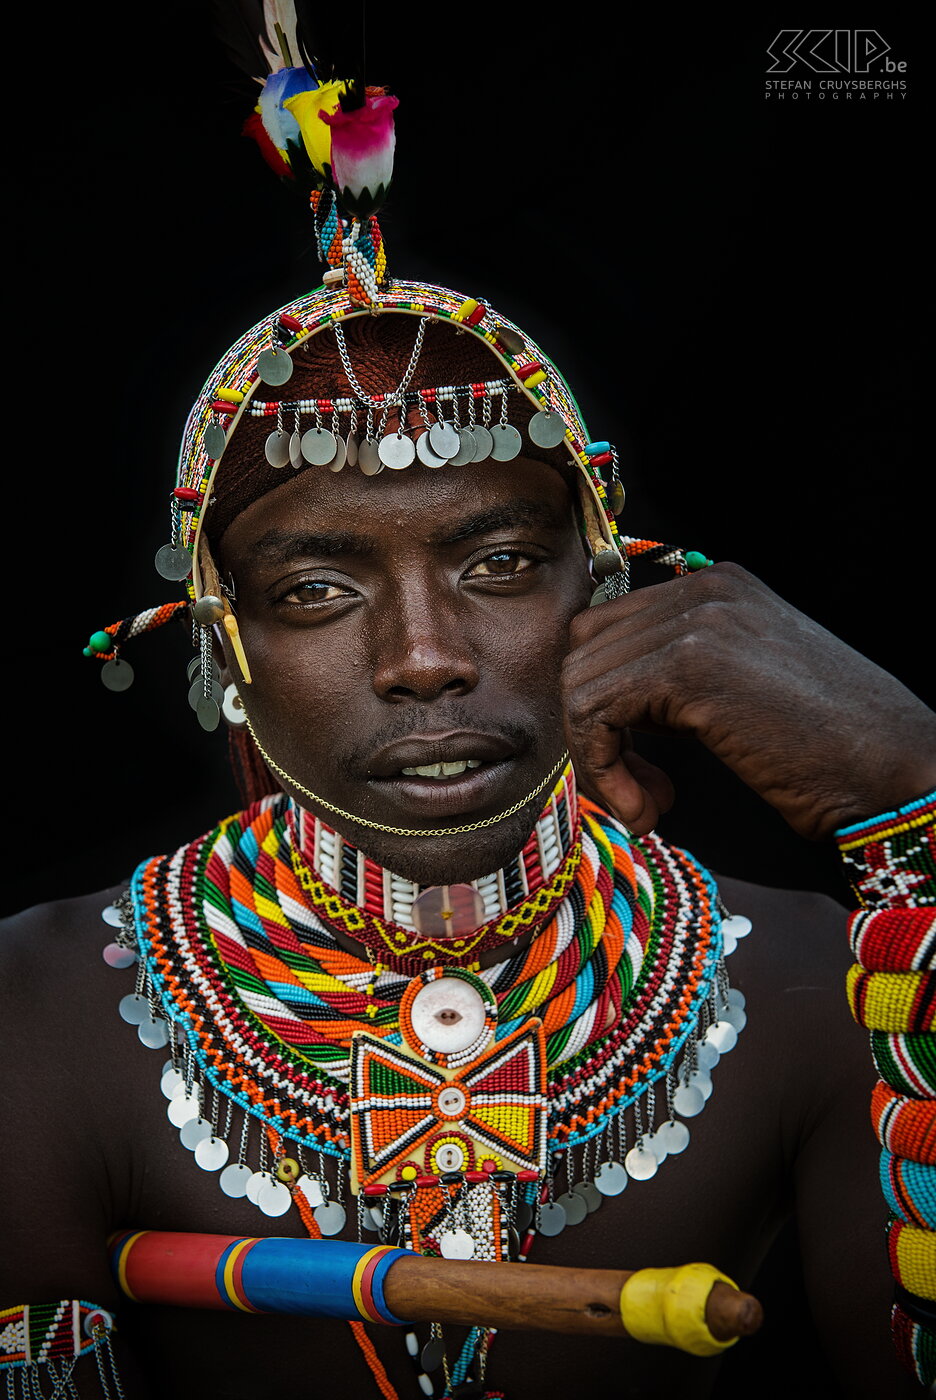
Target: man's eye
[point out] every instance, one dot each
(508, 561)
(313, 591)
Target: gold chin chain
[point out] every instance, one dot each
(409, 830)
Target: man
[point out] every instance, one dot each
(414, 651)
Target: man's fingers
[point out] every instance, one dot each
(608, 770)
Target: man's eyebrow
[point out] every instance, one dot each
(282, 546)
(506, 516)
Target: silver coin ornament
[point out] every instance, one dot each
(276, 448)
(701, 1080)
(256, 1184)
(611, 1178)
(672, 1137)
(444, 440)
(723, 1036)
(117, 674)
(456, 1244)
(171, 1080)
(467, 447)
(274, 366)
(546, 429)
(484, 443)
(295, 450)
(507, 442)
(426, 453)
(432, 1354)
(133, 1009)
(274, 1198)
(112, 916)
(182, 1108)
(616, 497)
(211, 1154)
(330, 1218)
(368, 457)
(396, 451)
(173, 562)
(589, 1193)
(209, 609)
(552, 1219)
(153, 1033)
(574, 1206)
(735, 1016)
(209, 714)
(688, 1100)
(311, 1189)
(197, 690)
(341, 455)
(739, 925)
(318, 446)
(233, 1180)
(116, 955)
(641, 1163)
(351, 450)
(707, 1057)
(193, 1132)
(215, 439)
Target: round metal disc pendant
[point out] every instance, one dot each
(546, 429)
(276, 448)
(351, 450)
(641, 1164)
(197, 692)
(368, 457)
(340, 457)
(117, 674)
(507, 442)
(211, 1154)
(330, 1218)
(311, 1189)
(589, 1193)
(153, 1033)
(444, 440)
(209, 714)
(552, 1219)
(193, 1132)
(611, 1178)
(274, 366)
(295, 450)
(484, 443)
(233, 1180)
(115, 955)
(707, 1057)
(616, 497)
(723, 1036)
(396, 451)
(134, 1009)
(574, 1206)
(215, 440)
(170, 1081)
(673, 1137)
(318, 446)
(111, 915)
(173, 562)
(456, 1244)
(256, 1184)
(274, 1198)
(426, 454)
(702, 1081)
(432, 1354)
(182, 1108)
(738, 925)
(466, 449)
(688, 1101)
(736, 1016)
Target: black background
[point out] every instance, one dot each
(732, 285)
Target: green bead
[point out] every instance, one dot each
(101, 641)
(87, 652)
(695, 560)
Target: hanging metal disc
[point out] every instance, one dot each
(351, 450)
(456, 1244)
(211, 1154)
(233, 1180)
(396, 451)
(673, 1137)
(340, 457)
(209, 714)
(484, 443)
(467, 448)
(117, 674)
(330, 1218)
(574, 1206)
(616, 497)
(133, 1009)
(589, 1193)
(274, 1198)
(153, 1033)
(611, 1178)
(641, 1163)
(197, 692)
(369, 457)
(274, 366)
(444, 440)
(507, 442)
(215, 439)
(426, 454)
(432, 1354)
(173, 562)
(295, 450)
(552, 1219)
(276, 448)
(318, 446)
(193, 1132)
(546, 429)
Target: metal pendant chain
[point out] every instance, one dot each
(396, 397)
(409, 830)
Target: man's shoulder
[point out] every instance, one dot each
(55, 947)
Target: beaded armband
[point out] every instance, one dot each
(45, 1340)
(890, 862)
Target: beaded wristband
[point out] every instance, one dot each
(892, 1001)
(905, 1126)
(894, 940)
(909, 1189)
(36, 1333)
(912, 1254)
(913, 1327)
(891, 860)
(906, 1062)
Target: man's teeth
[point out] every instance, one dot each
(443, 770)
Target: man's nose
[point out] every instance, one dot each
(422, 651)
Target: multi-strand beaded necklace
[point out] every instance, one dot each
(595, 1040)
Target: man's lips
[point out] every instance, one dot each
(427, 750)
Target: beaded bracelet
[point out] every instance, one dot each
(891, 859)
(894, 940)
(906, 1126)
(909, 1189)
(34, 1334)
(892, 1001)
(912, 1254)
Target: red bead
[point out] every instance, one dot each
(602, 460)
(222, 406)
(185, 493)
(290, 323)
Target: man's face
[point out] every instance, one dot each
(406, 620)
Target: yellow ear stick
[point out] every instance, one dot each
(231, 628)
(667, 1306)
